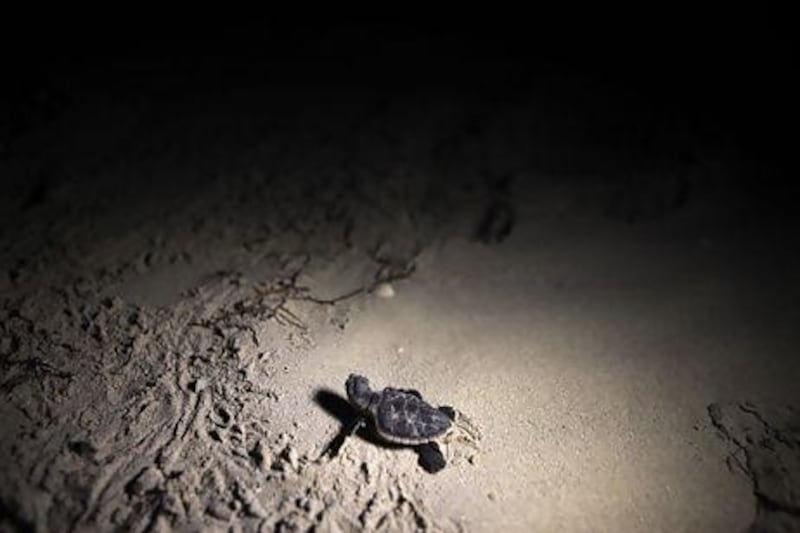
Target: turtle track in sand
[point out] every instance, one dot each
(179, 433)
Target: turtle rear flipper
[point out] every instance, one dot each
(431, 458)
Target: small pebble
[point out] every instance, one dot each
(384, 290)
(291, 456)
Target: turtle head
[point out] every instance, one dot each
(359, 392)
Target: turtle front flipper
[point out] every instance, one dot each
(348, 430)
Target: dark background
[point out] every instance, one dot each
(642, 81)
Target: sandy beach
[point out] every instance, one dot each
(189, 277)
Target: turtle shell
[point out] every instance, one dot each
(404, 417)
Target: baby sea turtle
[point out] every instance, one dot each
(401, 416)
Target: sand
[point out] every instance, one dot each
(182, 301)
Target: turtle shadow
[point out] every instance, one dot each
(429, 456)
